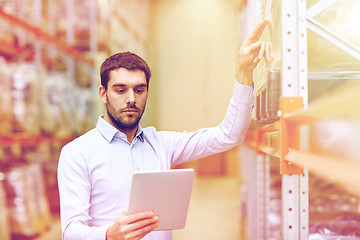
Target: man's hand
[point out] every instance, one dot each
(132, 227)
(251, 52)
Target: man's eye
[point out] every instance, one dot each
(120, 90)
(139, 90)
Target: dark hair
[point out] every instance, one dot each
(126, 60)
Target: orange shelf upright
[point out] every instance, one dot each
(289, 134)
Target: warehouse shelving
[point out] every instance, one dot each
(29, 140)
(36, 149)
(63, 41)
(38, 34)
(306, 135)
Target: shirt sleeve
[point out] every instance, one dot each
(188, 146)
(74, 189)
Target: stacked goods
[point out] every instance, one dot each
(82, 28)
(73, 16)
(46, 117)
(47, 86)
(57, 109)
(105, 10)
(49, 155)
(27, 206)
(248, 209)
(83, 114)
(4, 222)
(31, 103)
(274, 215)
(5, 98)
(23, 98)
(334, 213)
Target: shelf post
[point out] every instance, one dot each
(250, 157)
(294, 87)
(260, 201)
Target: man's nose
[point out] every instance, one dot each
(130, 97)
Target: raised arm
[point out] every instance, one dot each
(231, 131)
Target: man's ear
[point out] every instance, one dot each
(102, 93)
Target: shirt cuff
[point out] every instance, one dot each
(243, 94)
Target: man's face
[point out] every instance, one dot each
(125, 98)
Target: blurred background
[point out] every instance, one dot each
(50, 54)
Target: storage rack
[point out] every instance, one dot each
(290, 137)
(113, 26)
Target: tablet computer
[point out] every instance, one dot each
(167, 193)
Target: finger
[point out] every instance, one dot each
(257, 60)
(256, 33)
(141, 236)
(271, 57)
(141, 224)
(130, 218)
(267, 51)
(271, 29)
(252, 47)
(141, 232)
(262, 50)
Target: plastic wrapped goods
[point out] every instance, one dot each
(333, 213)
(83, 116)
(61, 107)
(4, 222)
(73, 15)
(330, 236)
(5, 98)
(28, 208)
(24, 98)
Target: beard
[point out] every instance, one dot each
(124, 122)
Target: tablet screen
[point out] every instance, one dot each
(167, 193)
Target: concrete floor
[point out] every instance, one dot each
(213, 212)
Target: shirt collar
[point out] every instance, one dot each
(140, 134)
(109, 131)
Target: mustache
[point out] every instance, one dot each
(130, 107)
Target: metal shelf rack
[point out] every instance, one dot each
(62, 41)
(320, 136)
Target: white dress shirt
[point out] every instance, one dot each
(95, 170)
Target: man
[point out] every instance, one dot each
(95, 170)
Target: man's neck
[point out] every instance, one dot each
(130, 133)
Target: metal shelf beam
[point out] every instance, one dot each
(38, 34)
